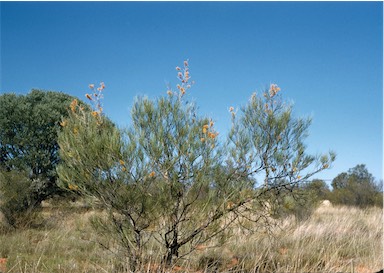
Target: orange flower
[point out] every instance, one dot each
(63, 123)
(73, 105)
(73, 187)
(95, 113)
(212, 135)
(121, 162)
(91, 86)
(230, 205)
(211, 123)
(152, 174)
(3, 264)
(178, 68)
(273, 89)
(325, 166)
(169, 92)
(202, 139)
(88, 96)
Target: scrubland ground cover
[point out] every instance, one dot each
(332, 239)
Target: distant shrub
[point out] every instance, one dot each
(357, 187)
(16, 203)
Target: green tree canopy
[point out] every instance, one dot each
(356, 187)
(29, 125)
(319, 188)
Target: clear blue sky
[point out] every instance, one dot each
(327, 57)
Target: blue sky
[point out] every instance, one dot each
(326, 57)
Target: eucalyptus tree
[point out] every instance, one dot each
(29, 126)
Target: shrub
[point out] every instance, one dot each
(168, 177)
(29, 150)
(16, 204)
(357, 187)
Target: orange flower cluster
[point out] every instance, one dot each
(205, 128)
(273, 90)
(212, 135)
(184, 76)
(73, 105)
(232, 111)
(95, 99)
(152, 174)
(63, 123)
(3, 264)
(102, 86)
(73, 187)
(208, 132)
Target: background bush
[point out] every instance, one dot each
(29, 149)
(357, 187)
(16, 203)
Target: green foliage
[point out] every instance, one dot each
(29, 151)
(357, 187)
(169, 178)
(16, 203)
(319, 189)
(267, 139)
(28, 136)
(300, 200)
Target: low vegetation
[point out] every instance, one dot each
(332, 239)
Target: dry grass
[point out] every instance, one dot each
(333, 239)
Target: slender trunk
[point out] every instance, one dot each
(173, 251)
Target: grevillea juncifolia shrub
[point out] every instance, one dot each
(169, 178)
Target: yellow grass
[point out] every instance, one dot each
(333, 239)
